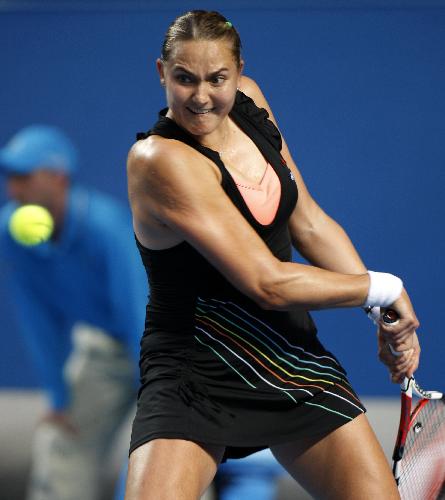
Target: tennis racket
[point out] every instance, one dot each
(419, 451)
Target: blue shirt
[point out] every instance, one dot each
(92, 274)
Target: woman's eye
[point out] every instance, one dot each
(218, 79)
(183, 79)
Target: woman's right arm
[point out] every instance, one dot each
(174, 187)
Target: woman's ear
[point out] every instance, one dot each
(240, 72)
(160, 68)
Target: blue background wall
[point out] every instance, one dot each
(357, 88)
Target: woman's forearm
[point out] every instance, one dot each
(298, 285)
(325, 244)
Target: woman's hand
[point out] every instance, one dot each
(400, 333)
(404, 364)
(398, 345)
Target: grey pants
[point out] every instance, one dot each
(68, 466)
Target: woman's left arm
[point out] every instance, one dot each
(316, 236)
(325, 244)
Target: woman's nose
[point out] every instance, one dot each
(201, 95)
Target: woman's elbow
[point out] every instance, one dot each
(267, 284)
(267, 296)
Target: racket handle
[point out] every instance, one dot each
(393, 351)
(390, 316)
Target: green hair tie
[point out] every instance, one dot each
(229, 24)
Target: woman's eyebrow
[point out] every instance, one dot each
(179, 67)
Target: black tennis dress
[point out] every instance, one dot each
(215, 367)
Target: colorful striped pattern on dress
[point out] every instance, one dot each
(264, 358)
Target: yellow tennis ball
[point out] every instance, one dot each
(31, 225)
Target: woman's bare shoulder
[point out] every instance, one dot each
(251, 88)
(155, 152)
(164, 168)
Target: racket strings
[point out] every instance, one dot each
(423, 463)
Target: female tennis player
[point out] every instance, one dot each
(230, 359)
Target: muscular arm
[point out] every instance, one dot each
(315, 235)
(171, 185)
(324, 243)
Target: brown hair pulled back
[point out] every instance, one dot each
(201, 25)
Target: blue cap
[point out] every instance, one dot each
(38, 147)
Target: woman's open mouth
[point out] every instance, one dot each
(200, 111)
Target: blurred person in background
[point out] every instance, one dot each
(80, 301)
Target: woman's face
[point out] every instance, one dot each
(200, 78)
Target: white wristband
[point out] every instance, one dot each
(384, 289)
(373, 313)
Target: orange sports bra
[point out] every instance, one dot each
(262, 199)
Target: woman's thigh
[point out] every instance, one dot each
(168, 469)
(348, 463)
